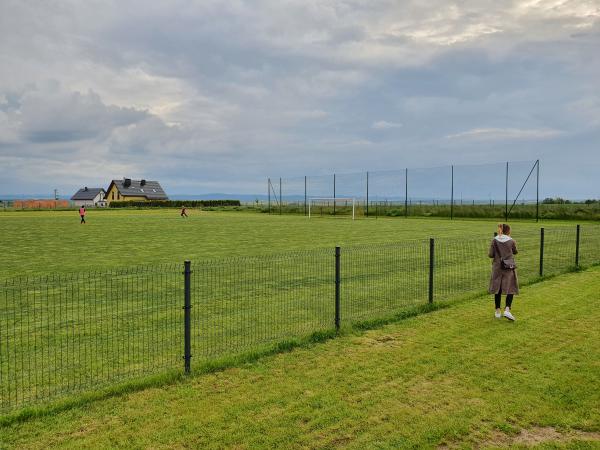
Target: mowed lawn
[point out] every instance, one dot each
(50, 242)
(453, 378)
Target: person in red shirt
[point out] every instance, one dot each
(82, 214)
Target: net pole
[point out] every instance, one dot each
(452, 195)
(506, 195)
(304, 194)
(406, 192)
(367, 209)
(537, 192)
(353, 208)
(280, 197)
(334, 194)
(269, 194)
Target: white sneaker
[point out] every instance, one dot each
(509, 316)
(497, 315)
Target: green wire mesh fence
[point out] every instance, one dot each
(66, 334)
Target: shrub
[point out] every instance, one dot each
(174, 203)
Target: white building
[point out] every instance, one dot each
(89, 197)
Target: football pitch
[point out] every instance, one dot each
(51, 242)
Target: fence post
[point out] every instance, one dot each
(577, 246)
(187, 343)
(541, 252)
(431, 266)
(337, 288)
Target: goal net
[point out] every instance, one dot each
(332, 206)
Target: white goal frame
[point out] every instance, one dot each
(335, 200)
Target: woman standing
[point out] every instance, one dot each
(504, 270)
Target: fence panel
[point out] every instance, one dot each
(461, 268)
(379, 280)
(65, 334)
(589, 245)
(242, 303)
(559, 249)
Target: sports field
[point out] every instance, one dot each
(101, 303)
(44, 242)
(455, 378)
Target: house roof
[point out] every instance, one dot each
(140, 188)
(86, 193)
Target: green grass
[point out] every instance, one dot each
(42, 242)
(117, 322)
(453, 378)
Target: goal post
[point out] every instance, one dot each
(316, 201)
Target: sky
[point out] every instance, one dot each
(212, 96)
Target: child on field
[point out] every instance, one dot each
(82, 214)
(183, 212)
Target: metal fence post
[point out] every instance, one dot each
(187, 343)
(337, 288)
(577, 246)
(541, 252)
(431, 266)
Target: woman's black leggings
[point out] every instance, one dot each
(498, 297)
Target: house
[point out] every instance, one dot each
(89, 196)
(127, 190)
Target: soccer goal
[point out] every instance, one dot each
(332, 206)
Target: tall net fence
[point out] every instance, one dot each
(65, 334)
(502, 189)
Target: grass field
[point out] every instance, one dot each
(42, 242)
(99, 318)
(454, 378)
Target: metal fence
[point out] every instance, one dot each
(66, 334)
(504, 187)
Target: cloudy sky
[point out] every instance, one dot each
(214, 96)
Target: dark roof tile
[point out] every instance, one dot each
(87, 193)
(152, 190)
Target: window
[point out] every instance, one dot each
(113, 195)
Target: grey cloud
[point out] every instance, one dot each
(506, 133)
(60, 116)
(193, 91)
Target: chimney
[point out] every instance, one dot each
(143, 183)
(126, 182)
(85, 188)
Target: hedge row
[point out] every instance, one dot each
(174, 203)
